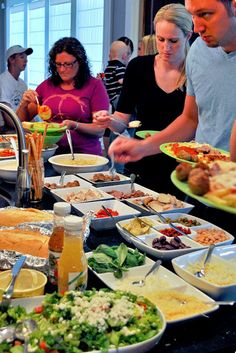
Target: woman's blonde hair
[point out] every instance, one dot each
(177, 14)
(149, 44)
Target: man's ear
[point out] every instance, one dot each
(234, 7)
(189, 35)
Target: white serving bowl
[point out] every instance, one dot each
(8, 170)
(30, 303)
(64, 162)
(107, 222)
(225, 253)
(49, 152)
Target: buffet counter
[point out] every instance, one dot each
(213, 333)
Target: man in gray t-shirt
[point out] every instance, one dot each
(210, 104)
(12, 86)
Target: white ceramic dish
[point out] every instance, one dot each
(49, 152)
(88, 177)
(173, 216)
(148, 262)
(148, 239)
(97, 163)
(6, 157)
(67, 178)
(204, 225)
(172, 280)
(8, 170)
(62, 194)
(107, 223)
(126, 188)
(141, 347)
(212, 226)
(187, 207)
(226, 253)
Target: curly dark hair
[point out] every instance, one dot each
(73, 47)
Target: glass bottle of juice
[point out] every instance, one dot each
(73, 267)
(55, 244)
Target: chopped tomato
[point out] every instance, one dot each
(38, 309)
(143, 305)
(43, 346)
(7, 153)
(102, 213)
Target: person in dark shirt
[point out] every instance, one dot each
(154, 89)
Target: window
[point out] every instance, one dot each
(39, 23)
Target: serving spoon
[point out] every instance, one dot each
(154, 267)
(24, 329)
(201, 272)
(132, 179)
(68, 134)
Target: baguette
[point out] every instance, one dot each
(25, 241)
(12, 216)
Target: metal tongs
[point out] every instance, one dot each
(163, 219)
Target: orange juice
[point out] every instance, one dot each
(72, 266)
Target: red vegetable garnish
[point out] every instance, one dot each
(7, 153)
(171, 232)
(143, 305)
(38, 309)
(176, 149)
(43, 345)
(102, 213)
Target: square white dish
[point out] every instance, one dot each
(67, 178)
(124, 211)
(88, 177)
(170, 281)
(137, 203)
(229, 240)
(144, 243)
(226, 253)
(173, 216)
(126, 189)
(63, 194)
(148, 262)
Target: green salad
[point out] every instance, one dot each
(85, 321)
(116, 259)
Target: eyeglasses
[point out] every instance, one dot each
(65, 65)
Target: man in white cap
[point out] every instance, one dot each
(12, 86)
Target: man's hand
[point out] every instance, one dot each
(127, 149)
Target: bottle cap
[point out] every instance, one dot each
(62, 208)
(73, 223)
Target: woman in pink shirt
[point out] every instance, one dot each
(73, 96)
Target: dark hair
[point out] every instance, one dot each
(128, 42)
(73, 47)
(227, 4)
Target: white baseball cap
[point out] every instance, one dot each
(18, 49)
